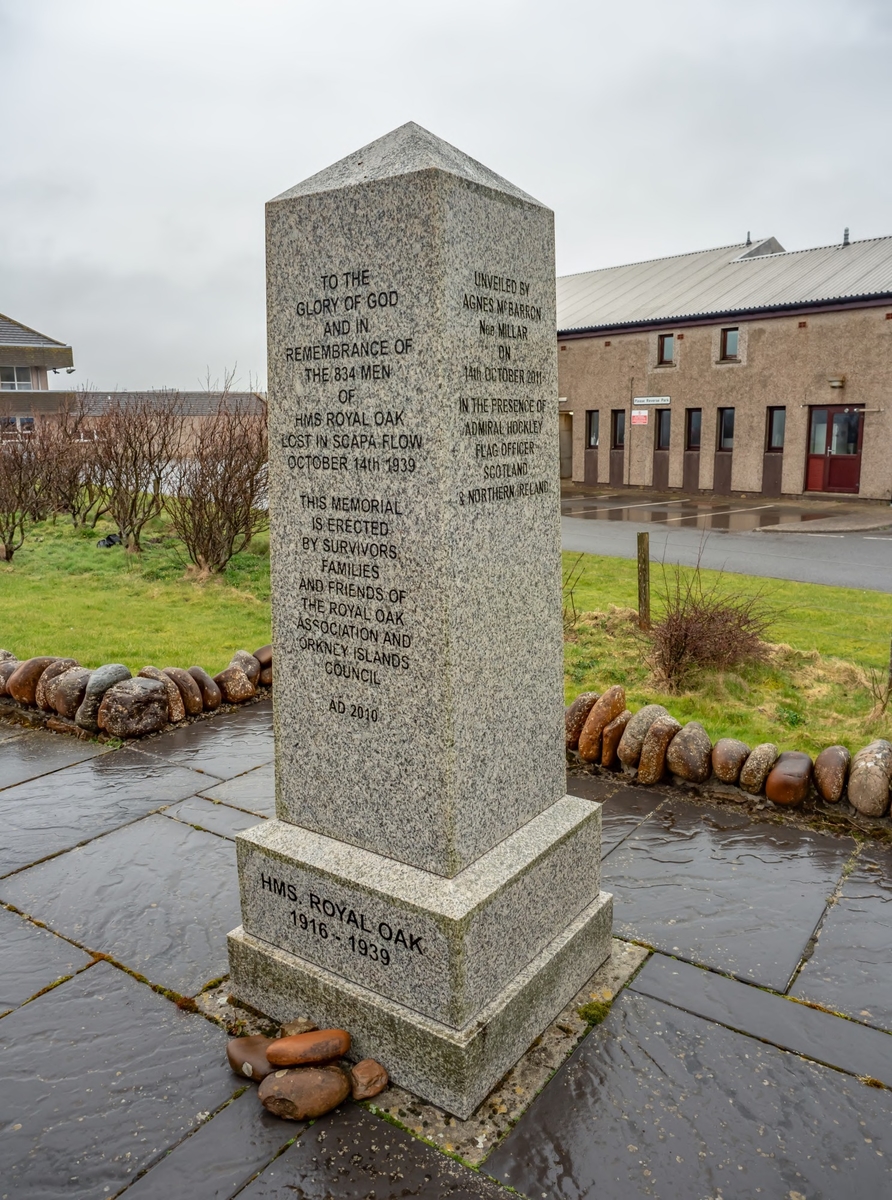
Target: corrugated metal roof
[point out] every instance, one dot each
(192, 404)
(730, 279)
(13, 333)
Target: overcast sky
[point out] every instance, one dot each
(140, 141)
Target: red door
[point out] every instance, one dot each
(835, 436)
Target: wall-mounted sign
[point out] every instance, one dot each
(639, 416)
(652, 400)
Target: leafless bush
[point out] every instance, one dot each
(69, 463)
(705, 626)
(220, 489)
(18, 487)
(571, 577)
(137, 440)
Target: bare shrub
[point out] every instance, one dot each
(68, 467)
(137, 440)
(18, 489)
(705, 626)
(570, 579)
(220, 490)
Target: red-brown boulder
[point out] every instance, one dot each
(367, 1079)
(304, 1094)
(190, 692)
(605, 710)
(66, 692)
(788, 779)
(612, 736)
(22, 683)
(728, 757)
(320, 1046)
(211, 696)
(264, 656)
(247, 1057)
(59, 667)
(652, 761)
(831, 769)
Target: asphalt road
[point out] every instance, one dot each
(859, 560)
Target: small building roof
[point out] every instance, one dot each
(21, 346)
(744, 278)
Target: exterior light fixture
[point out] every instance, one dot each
(837, 381)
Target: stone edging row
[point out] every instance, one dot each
(114, 702)
(652, 746)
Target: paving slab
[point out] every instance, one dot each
(38, 753)
(353, 1155)
(851, 967)
(624, 807)
(54, 812)
(660, 1103)
(827, 1039)
(8, 731)
(714, 887)
(221, 1156)
(33, 958)
(212, 815)
(223, 746)
(97, 1078)
(157, 896)
(255, 791)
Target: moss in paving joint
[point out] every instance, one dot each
(595, 1011)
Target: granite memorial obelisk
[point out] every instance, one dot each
(427, 885)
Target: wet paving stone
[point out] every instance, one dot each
(352, 1155)
(157, 896)
(37, 752)
(216, 1161)
(97, 1079)
(215, 817)
(33, 958)
(255, 791)
(624, 807)
(851, 967)
(54, 812)
(659, 1103)
(827, 1039)
(713, 887)
(224, 746)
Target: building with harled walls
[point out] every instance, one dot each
(745, 369)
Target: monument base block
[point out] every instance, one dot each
(453, 1068)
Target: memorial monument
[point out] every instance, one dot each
(427, 884)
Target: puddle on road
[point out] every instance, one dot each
(737, 517)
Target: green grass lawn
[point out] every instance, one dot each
(812, 691)
(62, 595)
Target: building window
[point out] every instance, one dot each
(664, 428)
(666, 350)
(592, 429)
(725, 429)
(730, 345)
(15, 379)
(618, 432)
(692, 426)
(777, 423)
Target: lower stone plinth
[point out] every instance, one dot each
(453, 1068)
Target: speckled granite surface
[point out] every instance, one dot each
(437, 894)
(444, 947)
(415, 504)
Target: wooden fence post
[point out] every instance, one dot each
(644, 581)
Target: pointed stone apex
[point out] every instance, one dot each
(404, 151)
